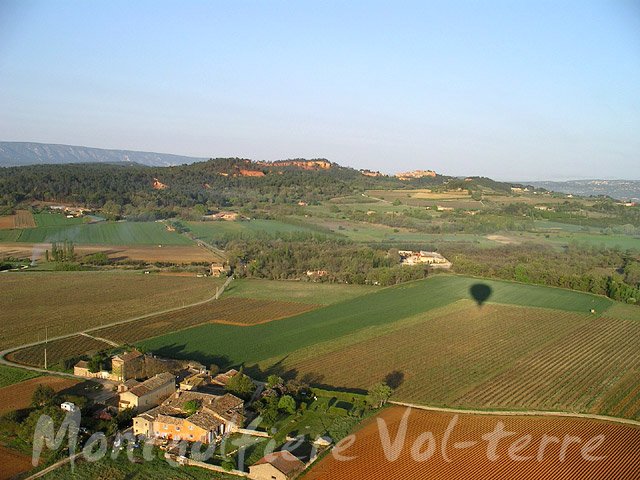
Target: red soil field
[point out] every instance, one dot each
(18, 396)
(12, 463)
(539, 459)
(7, 222)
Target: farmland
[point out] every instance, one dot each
(24, 219)
(216, 230)
(580, 372)
(308, 292)
(177, 254)
(18, 396)
(70, 301)
(441, 348)
(10, 375)
(618, 449)
(57, 351)
(105, 233)
(384, 307)
(434, 357)
(13, 463)
(55, 220)
(7, 222)
(231, 311)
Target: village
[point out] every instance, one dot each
(180, 402)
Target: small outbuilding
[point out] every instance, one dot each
(282, 465)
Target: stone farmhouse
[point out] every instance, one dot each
(148, 394)
(407, 257)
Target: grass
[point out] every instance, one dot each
(55, 219)
(105, 233)
(308, 292)
(232, 345)
(10, 375)
(211, 231)
(66, 302)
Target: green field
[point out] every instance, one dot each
(233, 345)
(55, 220)
(215, 230)
(308, 292)
(10, 375)
(104, 233)
(624, 242)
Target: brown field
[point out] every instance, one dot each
(67, 302)
(13, 463)
(18, 396)
(7, 222)
(229, 310)
(56, 351)
(144, 253)
(469, 455)
(24, 219)
(582, 372)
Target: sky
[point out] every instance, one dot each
(532, 90)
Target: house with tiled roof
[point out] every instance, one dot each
(216, 415)
(282, 465)
(149, 393)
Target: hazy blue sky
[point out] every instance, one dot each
(508, 89)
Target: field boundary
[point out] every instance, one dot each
(522, 413)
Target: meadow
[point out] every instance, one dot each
(66, 302)
(102, 233)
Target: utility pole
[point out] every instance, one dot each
(46, 339)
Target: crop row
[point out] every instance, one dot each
(570, 374)
(434, 361)
(58, 350)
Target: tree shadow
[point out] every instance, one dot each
(394, 379)
(480, 292)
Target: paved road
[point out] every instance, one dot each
(4, 353)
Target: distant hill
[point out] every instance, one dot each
(619, 189)
(15, 154)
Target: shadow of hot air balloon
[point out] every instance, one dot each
(480, 292)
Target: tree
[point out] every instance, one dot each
(191, 407)
(241, 386)
(379, 394)
(273, 381)
(43, 396)
(287, 404)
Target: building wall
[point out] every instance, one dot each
(150, 400)
(185, 431)
(265, 471)
(142, 426)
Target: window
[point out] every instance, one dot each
(190, 437)
(166, 427)
(190, 427)
(177, 429)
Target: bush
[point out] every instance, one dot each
(337, 411)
